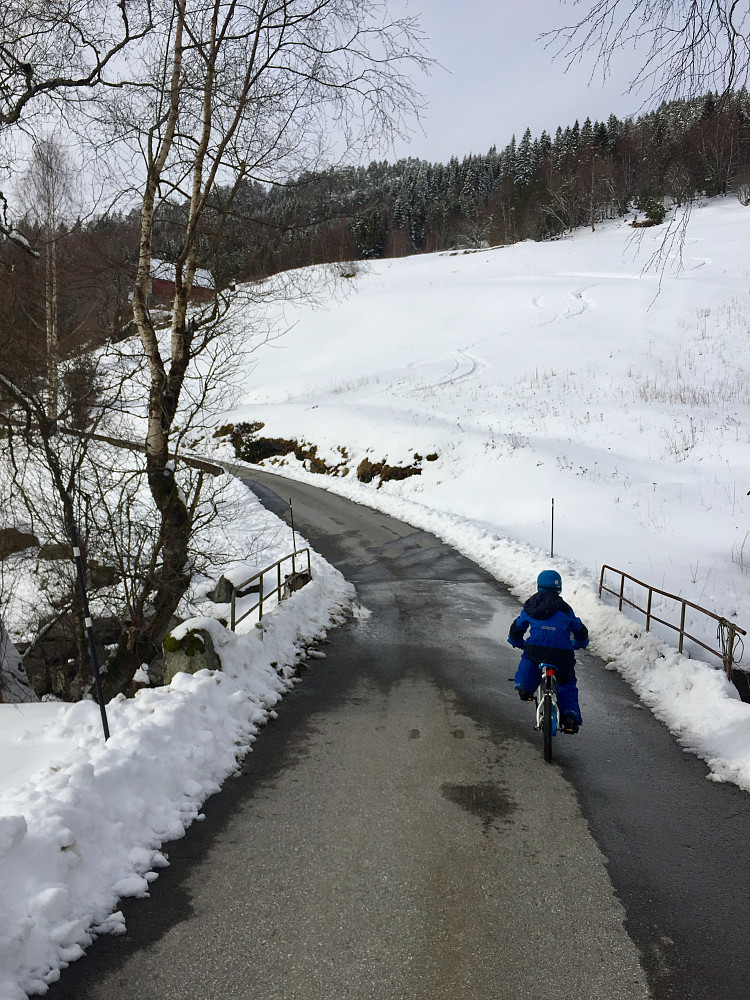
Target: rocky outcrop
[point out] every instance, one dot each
(14, 684)
(55, 551)
(12, 540)
(51, 664)
(222, 592)
(189, 653)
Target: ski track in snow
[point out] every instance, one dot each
(465, 367)
(460, 372)
(575, 304)
(537, 303)
(581, 303)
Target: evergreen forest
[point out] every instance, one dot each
(538, 187)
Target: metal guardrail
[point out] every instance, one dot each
(195, 463)
(726, 632)
(291, 582)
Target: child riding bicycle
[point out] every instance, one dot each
(554, 634)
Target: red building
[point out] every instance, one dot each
(161, 285)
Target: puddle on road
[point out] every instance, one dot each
(486, 800)
(497, 627)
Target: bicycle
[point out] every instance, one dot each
(547, 712)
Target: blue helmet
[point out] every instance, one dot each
(549, 579)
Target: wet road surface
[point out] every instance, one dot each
(396, 833)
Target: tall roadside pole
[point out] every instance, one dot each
(552, 532)
(89, 627)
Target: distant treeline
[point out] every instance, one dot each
(536, 188)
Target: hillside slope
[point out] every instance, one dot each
(563, 370)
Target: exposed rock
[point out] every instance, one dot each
(295, 581)
(741, 680)
(222, 592)
(101, 576)
(367, 471)
(12, 540)
(156, 671)
(189, 654)
(14, 684)
(51, 665)
(55, 550)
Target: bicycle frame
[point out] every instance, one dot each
(547, 693)
(548, 688)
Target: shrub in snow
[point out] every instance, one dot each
(654, 210)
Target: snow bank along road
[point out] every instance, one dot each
(396, 833)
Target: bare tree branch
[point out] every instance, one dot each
(687, 47)
(54, 52)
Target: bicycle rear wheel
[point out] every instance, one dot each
(547, 711)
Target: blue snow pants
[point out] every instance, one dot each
(529, 677)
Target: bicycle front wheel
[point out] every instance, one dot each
(547, 712)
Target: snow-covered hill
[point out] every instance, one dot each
(569, 370)
(556, 370)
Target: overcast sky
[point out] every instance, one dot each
(499, 78)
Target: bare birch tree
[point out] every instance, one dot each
(47, 194)
(219, 92)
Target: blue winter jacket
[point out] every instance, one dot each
(554, 631)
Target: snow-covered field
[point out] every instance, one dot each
(547, 370)
(533, 372)
(565, 370)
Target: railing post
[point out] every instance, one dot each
(278, 579)
(294, 537)
(260, 595)
(730, 650)
(682, 627)
(622, 589)
(648, 609)
(233, 612)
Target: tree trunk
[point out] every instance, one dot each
(139, 642)
(50, 304)
(79, 683)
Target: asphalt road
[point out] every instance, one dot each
(396, 833)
